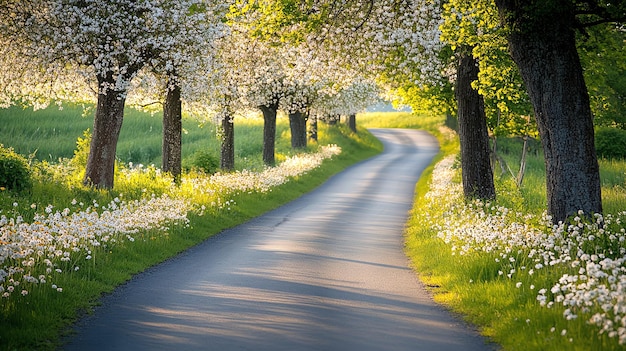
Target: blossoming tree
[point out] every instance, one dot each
(181, 75)
(108, 43)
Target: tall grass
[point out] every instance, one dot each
(612, 177)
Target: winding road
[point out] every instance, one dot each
(324, 272)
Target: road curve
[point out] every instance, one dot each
(324, 272)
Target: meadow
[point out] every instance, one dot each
(526, 283)
(51, 133)
(64, 245)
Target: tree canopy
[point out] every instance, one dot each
(321, 57)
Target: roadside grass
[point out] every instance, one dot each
(41, 316)
(507, 291)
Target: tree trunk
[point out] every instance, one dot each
(331, 120)
(269, 134)
(227, 159)
(313, 128)
(100, 170)
(542, 44)
(172, 132)
(297, 125)
(352, 122)
(476, 168)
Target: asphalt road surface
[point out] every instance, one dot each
(324, 272)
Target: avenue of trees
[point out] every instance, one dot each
(536, 68)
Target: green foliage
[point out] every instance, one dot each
(14, 170)
(611, 143)
(476, 25)
(81, 154)
(604, 61)
(279, 21)
(205, 161)
(437, 99)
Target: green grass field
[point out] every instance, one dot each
(51, 134)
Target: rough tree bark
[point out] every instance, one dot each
(107, 124)
(297, 125)
(269, 133)
(477, 174)
(227, 159)
(172, 131)
(352, 122)
(542, 44)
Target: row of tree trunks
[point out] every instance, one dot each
(542, 44)
(108, 122)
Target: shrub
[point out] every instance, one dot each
(81, 154)
(14, 170)
(611, 143)
(205, 161)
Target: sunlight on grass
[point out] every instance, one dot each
(522, 268)
(63, 245)
(527, 284)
